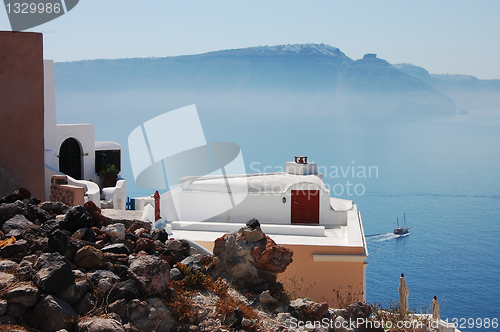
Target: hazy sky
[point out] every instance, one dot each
(459, 37)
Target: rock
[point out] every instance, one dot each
(25, 294)
(252, 231)
(37, 238)
(131, 237)
(18, 250)
(124, 290)
(271, 257)
(137, 224)
(54, 273)
(6, 319)
(160, 235)
(9, 210)
(309, 308)
(129, 244)
(119, 307)
(11, 198)
(7, 265)
(193, 263)
(54, 207)
(117, 248)
(103, 288)
(89, 258)
(77, 217)
(3, 307)
(6, 279)
(79, 234)
(95, 276)
(115, 231)
(144, 244)
(151, 274)
(99, 324)
(154, 316)
(116, 258)
(174, 245)
(51, 225)
(95, 212)
(36, 214)
(25, 270)
(357, 310)
(15, 226)
(55, 314)
(86, 304)
(89, 235)
(175, 274)
(75, 292)
(15, 310)
(266, 298)
(61, 242)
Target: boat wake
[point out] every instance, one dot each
(377, 242)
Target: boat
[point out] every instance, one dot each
(401, 230)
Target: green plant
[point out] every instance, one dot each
(108, 169)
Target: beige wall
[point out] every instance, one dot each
(22, 108)
(326, 278)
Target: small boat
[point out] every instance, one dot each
(401, 230)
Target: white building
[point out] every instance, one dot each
(71, 149)
(294, 208)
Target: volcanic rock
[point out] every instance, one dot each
(151, 273)
(54, 273)
(55, 314)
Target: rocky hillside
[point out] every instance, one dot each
(69, 269)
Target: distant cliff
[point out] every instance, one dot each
(294, 79)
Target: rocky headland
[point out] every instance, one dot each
(69, 268)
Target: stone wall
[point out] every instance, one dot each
(61, 191)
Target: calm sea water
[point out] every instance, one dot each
(444, 173)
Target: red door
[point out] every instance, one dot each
(305, 206)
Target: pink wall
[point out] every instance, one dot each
(22, 108)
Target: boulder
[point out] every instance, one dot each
(193, 263)
(36, 214)
(75, 292)
(144, 244)
(250, 263)
(17, 250)
(154, 315)
(55, 314)
(3, 307)
(37, 238)
(61, 242)
(25, 294)
(115, 231)
(117, 248)
(119, 307)
(11, 198)
(271, 257)
(6, 279)
(7, 265)
(160, 235)
(95, 212)
(15, 310)
(9, 210)
(89, 258)
(86, 304)
(99, 324)
(309, 308)
(25, 270)
(51, 225)
(127, 290)
(16, 225)
(98, 275)
(53, 274)
(77, 217)
(151, 273)
(54, 207)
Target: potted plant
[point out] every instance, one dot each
(109, 173)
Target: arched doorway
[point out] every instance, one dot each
(70, 158)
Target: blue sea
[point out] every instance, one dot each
(443, 173)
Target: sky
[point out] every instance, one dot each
(443, 36)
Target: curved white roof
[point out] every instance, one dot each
(270, 183)
(107, 145)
